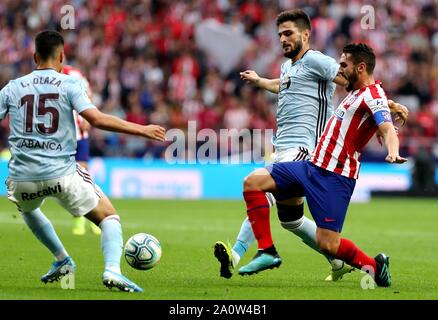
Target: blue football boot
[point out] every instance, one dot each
(59, 269)
(261, 261)
(111, 279)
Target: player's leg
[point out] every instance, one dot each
(105, 216)
(44, 231)
(19, 193)
(244, 239)
(257, 204)
(328, 196)
(228, 256)
(82, 197)
(341, 248)
(292, 218)
(82, 157)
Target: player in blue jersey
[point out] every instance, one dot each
(305, 90)
(43, 143)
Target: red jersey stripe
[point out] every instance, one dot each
(321, 140)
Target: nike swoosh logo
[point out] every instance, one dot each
(329, 220)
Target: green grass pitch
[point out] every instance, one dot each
(405, 229)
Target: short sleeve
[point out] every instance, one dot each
(77, 93)
(380, 110)
(378, 105)
(283, 69)
(322, 66)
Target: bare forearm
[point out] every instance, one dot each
(387, 131)
(391, 141)
(272, 85)
(112, 123)
(250, 76)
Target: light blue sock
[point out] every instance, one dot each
(244, 240)
(43, 229)
(112, 242)
(306, 230)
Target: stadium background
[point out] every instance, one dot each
(169, 62)
(147, 61)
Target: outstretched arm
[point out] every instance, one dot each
(107, 122)
(250, 76)
(387, 131)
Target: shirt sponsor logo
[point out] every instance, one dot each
(285, 83)
(35, 144)
(41, 193)
(339, 113)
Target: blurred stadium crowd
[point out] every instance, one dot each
(167, 62)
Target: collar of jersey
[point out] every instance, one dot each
(301, 56)
(45, 69)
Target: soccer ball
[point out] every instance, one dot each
(142, 251)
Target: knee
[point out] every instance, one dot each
(250, 183)
(107, 218)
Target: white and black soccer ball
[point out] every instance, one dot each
(142, 251)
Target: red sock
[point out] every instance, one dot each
(349, 253)
(257, 209)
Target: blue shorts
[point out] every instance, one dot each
(328, 194)
(82, 150)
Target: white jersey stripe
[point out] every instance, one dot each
(350, 129)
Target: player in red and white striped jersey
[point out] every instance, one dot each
(349, 130)
(83, 148)
(329, 177)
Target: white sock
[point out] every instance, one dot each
(236, 257)
(112, 242)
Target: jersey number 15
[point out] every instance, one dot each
(28, 102)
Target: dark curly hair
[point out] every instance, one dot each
(360, 52)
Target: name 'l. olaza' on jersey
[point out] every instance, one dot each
(43, 137)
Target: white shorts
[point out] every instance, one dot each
(77, 193)
(291, 154)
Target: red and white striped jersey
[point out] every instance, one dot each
(350, 128)
(80, 132)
